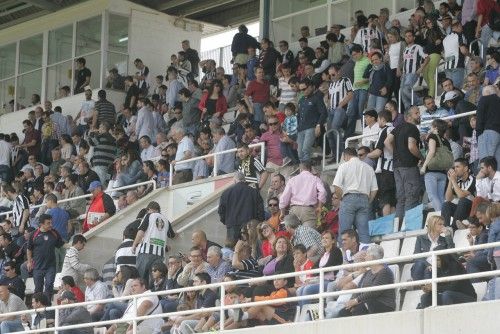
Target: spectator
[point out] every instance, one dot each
(74, 315)
(74, 207)
(105, 110)
(372, 129)
(199, 239)
(217, 267)
(190, 111)
(128, 169)
(428, 242)
(259, 92)
(267, 58)
(12, 280)
(60, 223)
(72, 265)
(196, 265)
(488, 123)
(460, 193)
(101, 207)
(251, 167)
(272, 138)
(185, 150)
(41, 257)
(413, 64)
(82, 77)
(115, 80)
(32, 139)
(225, 162)
(305, 235)
(238, 205)
(381, 78)
(276, 187)
(148, 151)
(104, 150)
(240, 44)
(174, 86)
(20, 209)
(9, 302)
(477, 261)
(151, 239)
(141, 76)
(95, 290)
(84, 116)
(494, 233)
(488, 180)
(124, 255)
(191, 56)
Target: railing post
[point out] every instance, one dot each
(321, 307)
(171, 178)
(434, 277)
(399, 101)
(262, 152)
(134, 322)
(324, 150)
(222, 296)
(56, 320)
(215, 165)
(411, 96)
(436, 82)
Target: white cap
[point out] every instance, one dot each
(450, 96)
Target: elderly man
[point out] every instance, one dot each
(9, 302)
(95, 290)
(356, 184)
(199, 239)
(305, 235)
(217, 267)
(101, 206)
(225, 162)
(304, 196)
(185, 150)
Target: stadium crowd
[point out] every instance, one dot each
(286, 101)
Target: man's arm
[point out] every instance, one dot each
(413, 148)
(137, 240)
(24, 220)
(338, 191)
(263, 179)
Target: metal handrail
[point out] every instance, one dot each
(262, 146)
(465, 114)
(434, 280)
(88, 195)
(480, 44)
(323, 163)
(442, 62)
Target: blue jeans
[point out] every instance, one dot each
(456, 75)
(44, 280)
(376, 102)
(355, 112)
(113, 311)
(486, 35)
(435, 184)
(408, 80)
(310, 289)
(11, 326)
(305, 141)
(5, 174)
(489, 145)
(418, 269)
(287, 150)
(447, 297)
(336, 118)
(355, 210)
(258, 112)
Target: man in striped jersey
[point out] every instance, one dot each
(365, 35)
(104, 150)
(151, 239)
(340, 92)
(413, 63)
(455, 50)
(20, 209)
(72, 265)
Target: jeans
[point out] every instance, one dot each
(418, 269)
(371, 306)
(287, 150)
(458, 211)
(355, 210)
(376, 102)
(435, 185)
(489, 145)
(355, 110)
(486, 34)
(447, 297)
(336, 118)
(407, 189)
(408, 80)
(310, 289)
(478, 263)
(5, 174)
(456, 75)
(113, 311)
(305, 141)
(102, 172)
(258, 112)
(44, 280)
(11, 326)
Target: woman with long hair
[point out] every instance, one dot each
(128, 169)
(213, 103)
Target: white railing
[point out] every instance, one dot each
(465, 114)
(442, 62)
(262, 146)
(88, 195)
(434, 280)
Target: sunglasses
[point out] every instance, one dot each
(271, 124)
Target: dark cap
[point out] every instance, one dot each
(372, 16)
(371, 112)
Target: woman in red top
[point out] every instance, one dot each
(213, 103)
(267, 237)
(485, 9)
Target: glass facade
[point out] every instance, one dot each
(49, 57)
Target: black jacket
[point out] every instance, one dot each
(241, 42)
(239, 204)
(423, 243)
(311, 111)
(488, 117)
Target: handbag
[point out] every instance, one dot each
(442, 159)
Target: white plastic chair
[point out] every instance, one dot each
(391, 248)
(411, 301)
(480, 288)
(30, 286)
(408, 246)
(406, 273)
(305, 314)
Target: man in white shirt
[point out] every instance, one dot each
(95, 290)
(488, 179)
(185, 150)
(356, 184)
(5, 154)
(371, 129)
(148, 151)
(84, 117)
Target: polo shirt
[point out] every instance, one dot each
(258, 91)
(355, 177)
(43, 246)
(185, 145)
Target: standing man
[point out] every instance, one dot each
(272, 138)
(20, 209)
(304, 195)
(251, 167)
(455, 50)
(225, 162)
(142, 76)
(151, 238)
(41, 258)
(259, 92)
(405, 143)
(488, 124)
(311, 115)
(413, 64)
(104, 110)
(5, 156)
(356, 184)
(60, 220)
(84, 117)
(72, 265)
(132, 93)
(190, 112)
(83, 75)
(192, 56)
(240, 44)
(104, 151)
(239, 204)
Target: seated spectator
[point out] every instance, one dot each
(199, 239)
(196, 265)
(128, 170)
(301, 263)
(9, 302)
(449, 293)
(281, 261)
(68, 284)
(494, 234)
(121, 287)
(488, 180)
(163, 173)
(95, 290)
(170, 302)
(331, 257)
(276, 187)
(330, 220)
(222, 142)
(185, 150)
(86, 176)
(13, 281)
(380, 301)
(149, 174)
(213, 103)
(267, 238)
(371, 129)
(431, 113)
(428, 242)
(305, 235)
(74, 207)
(74, 315)
(148, 151)
(273, 207)
(476, 261)
(43, 319)
(158, 277)
(460, 192)
(217, 268)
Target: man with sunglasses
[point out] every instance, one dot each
(15, 283)
(272, 138)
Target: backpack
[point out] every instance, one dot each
(494, 21)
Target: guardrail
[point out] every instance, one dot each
(262, 146)
(88, 195)
(321, 295)
(465, 114)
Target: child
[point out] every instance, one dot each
(301, 263)
(278, 313)
(163, 175)
(289, 136)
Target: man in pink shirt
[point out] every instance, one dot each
(304, 195)
(272, 139)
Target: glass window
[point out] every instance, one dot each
(30, 53)
(6, 95)
(58, 76)
(27, 85)
(118, 61)
(7, 60)
(88, 36)
(60, 44)
(118, 33)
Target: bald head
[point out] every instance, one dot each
(199, 238)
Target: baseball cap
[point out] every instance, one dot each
(449, 96)
(93, 185)
(68, 295)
